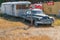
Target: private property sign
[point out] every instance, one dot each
(50, 3)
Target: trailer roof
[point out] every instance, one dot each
(19, 2)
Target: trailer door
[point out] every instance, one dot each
(8, 9)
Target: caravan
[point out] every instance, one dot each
(15, 8)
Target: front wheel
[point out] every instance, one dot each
(50, 24)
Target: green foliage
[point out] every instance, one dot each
(1, 1)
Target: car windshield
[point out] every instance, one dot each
(35, 12)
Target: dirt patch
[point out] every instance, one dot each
(30, 38)
(31, 34)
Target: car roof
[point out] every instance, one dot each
(37, 9)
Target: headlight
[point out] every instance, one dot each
(52, 18)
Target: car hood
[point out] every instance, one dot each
(43, 15)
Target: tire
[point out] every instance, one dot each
(50, 24)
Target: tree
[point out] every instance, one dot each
(1, 1)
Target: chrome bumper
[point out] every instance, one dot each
(44, 22)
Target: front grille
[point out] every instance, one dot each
(44, 19)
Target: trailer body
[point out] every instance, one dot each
(15, 8)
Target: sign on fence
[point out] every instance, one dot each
(50, 3)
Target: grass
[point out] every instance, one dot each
(57, 22)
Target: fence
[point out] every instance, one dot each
(53, 9)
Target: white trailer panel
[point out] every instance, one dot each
(11, 8)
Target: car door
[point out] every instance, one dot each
(28, 15)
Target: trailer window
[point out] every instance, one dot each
(22, 6)
(18, 7)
